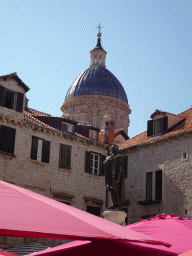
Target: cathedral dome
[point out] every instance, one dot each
(97, 80)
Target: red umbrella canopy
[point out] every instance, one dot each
(167, 227)
(4, 253)
(102, 248)
(28, 214)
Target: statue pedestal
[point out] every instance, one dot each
(115, 216)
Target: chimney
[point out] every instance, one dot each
(26, 102)
(109, 132)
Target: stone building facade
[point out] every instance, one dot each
(160, 167)
(49, 161)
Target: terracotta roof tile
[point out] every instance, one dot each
(183, 126)
(157, 111)
(35, 112)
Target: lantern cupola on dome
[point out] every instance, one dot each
(98, 54)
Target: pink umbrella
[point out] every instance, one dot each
(28, 214)
(167, 227)
(102, 248)
(188, 253)
(4, 253)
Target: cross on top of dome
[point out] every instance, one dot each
(99, 33)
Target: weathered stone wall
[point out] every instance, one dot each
(46, 178)
(176, 178)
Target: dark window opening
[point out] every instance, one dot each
(157, 126)
(149, 186)
(7, 139)
(184, 155)
(40, 149)
(158, 185)
(94, 210)
(9, 99)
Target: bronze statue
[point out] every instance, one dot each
(114, 176)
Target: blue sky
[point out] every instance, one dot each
(148, 44)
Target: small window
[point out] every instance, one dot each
(70, 128)
(10, 99)
(40, 149)
(94, 164)
(158, 186)
(184, 155)
(65, 156)
(157, 127)
(94, 210)
(7, 139)
(100, 60)
(67, 127)
(93, 134)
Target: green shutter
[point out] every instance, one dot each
(125, 165)
(45, 151)
(68, 157)
(149, 128)
(20, 98)
(101, 167)
(2, 92)
(87, 161)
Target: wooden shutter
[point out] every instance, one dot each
(158, 185)
(45, 151)
(2, 92)
(62, 155)
(149, 128)
(165, 124)
(1, 139)
(34, 147)
(101, 167)
(7, 139)
(20, 97)
(125, 165)
(149, 186)
(68, 157)
(87, 161)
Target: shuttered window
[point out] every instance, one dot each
(149, 186)
(94, 163)
(157, 127)
(11, 99)
(7, 139)
(40, 149)
(64, 156)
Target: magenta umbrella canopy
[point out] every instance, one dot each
(28, 214)
(188, 253)
(167, 227)
(102, 248)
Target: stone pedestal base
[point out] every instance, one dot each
(115, 216)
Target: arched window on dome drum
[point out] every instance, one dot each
(95, 61)
(100, 60)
